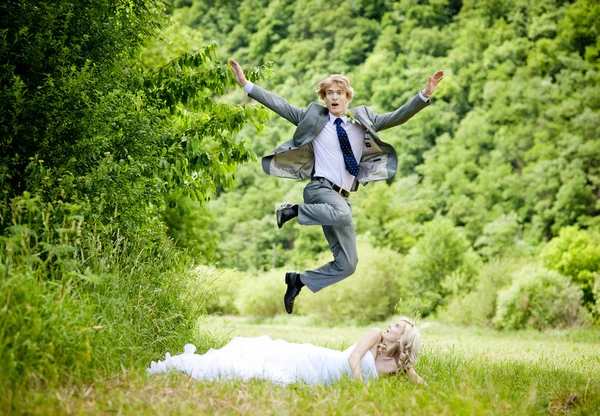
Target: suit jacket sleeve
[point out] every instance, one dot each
(278, 104)
(399, 116)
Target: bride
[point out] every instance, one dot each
(377, 353)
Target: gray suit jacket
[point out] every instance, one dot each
(295, 158)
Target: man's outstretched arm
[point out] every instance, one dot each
(268, 99)
(412, 107)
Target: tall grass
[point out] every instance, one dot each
(78, 302)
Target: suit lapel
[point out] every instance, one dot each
(323, 119)
(366, 123)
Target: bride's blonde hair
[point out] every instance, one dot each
(407, 346)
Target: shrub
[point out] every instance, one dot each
(47, 327)
(75, 307)
(441, 263)
(189, 225)
(478, 306)
(261, 295)
(575, 253)
(538, 298)
(144, 304)
(89, 280)
(370, 294)
(232, 292)
(596, 291)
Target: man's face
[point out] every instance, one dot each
(336, 100)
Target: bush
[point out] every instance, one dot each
(189, 225)
(144, 303)
(478, 307)
(75, 307)
(370, 294)
(596, 291)
(575, 253)
(232, 292)
(441, 263)
(89, 279)
(261, 295)
(538, 298)
(47, 327)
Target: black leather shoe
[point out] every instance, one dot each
(291, 292)
(285, 213)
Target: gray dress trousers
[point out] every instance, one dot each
(324, 206)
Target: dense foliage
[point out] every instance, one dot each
(99, 144)
(507, 155)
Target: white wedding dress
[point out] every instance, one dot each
(266, 359)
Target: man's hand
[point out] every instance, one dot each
(434, 80)
(238, 72)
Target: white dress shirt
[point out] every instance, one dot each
(329, 159)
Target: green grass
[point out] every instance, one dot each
(469, 371)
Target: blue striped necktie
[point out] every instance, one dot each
(349, 159)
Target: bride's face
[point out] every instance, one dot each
(393, 332)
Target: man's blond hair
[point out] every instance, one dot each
(340, 80)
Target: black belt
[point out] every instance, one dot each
(336, 188)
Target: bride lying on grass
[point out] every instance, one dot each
(377, 353)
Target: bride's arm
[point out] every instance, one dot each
(367, 341)
(414, 377)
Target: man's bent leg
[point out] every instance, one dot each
(342, 242)
(323, 206)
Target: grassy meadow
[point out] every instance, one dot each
(469, 371)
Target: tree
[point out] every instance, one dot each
(95, 148)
